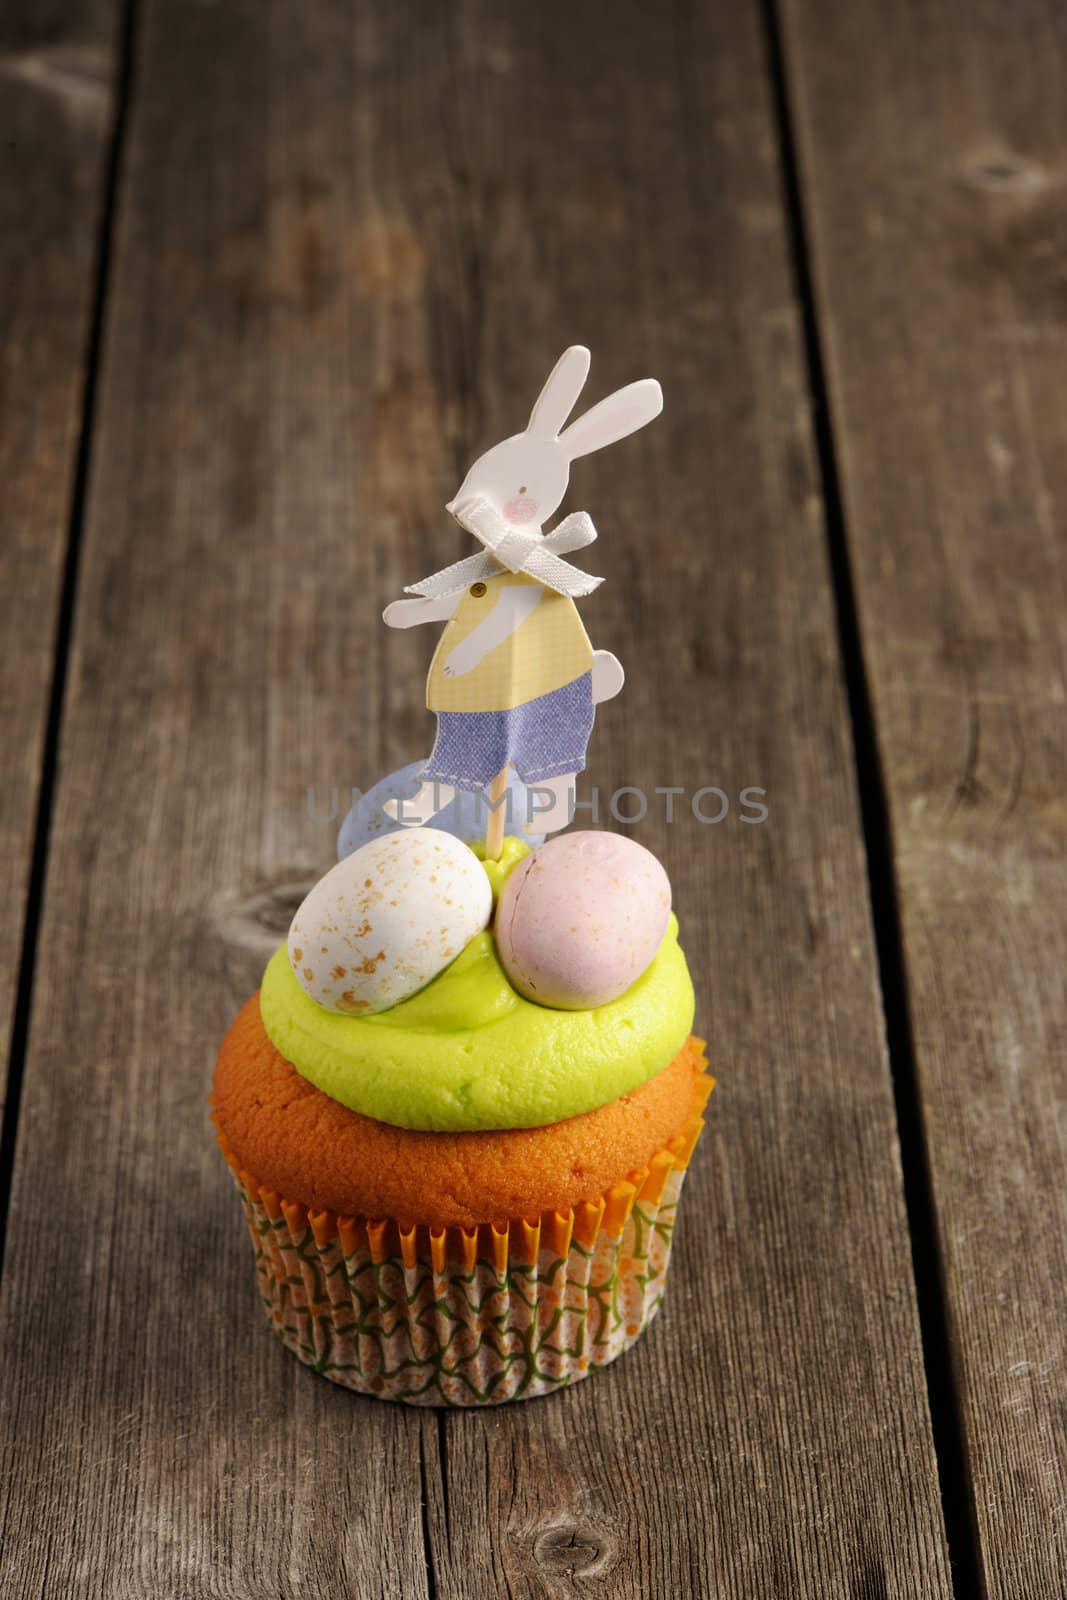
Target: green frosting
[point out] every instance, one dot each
(467, 1052)
(499, 871)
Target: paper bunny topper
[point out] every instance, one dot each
(514, 680)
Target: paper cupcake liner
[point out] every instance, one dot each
(465, 1317)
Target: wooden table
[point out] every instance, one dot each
(270, 275)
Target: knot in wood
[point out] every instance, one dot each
(260, 920)
(575, 1548)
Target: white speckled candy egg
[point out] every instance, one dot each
(387, 919)
(581, 918)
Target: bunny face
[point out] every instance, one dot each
(524, 478)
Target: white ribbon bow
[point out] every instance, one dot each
(516, 551)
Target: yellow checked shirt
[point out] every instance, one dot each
(548, 649)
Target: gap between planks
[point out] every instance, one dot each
(20, 1024)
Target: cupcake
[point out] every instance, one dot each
(460, 1108)
(459, 1111)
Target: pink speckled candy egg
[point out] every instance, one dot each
(387, 919)
(581, 918)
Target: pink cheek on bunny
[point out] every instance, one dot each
(522, 508)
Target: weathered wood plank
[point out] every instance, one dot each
(932, 144)
(352, 240)
(56, 76)
(165, 1451)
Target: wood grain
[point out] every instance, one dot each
(932, 145)
(56, 69)
(352, 241)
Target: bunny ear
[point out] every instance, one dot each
(556, 401)
(613, 418)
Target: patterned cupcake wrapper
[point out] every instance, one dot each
(466, 1317)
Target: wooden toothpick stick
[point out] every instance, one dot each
(494, 832)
